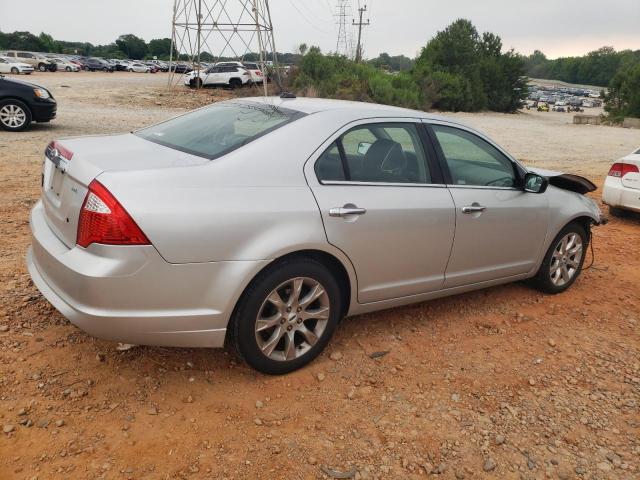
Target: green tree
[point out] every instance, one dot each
(160, 47)
(131, 46)
(623, 99)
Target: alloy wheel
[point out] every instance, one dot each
(12, 116)
(292, 319)
(566, 259)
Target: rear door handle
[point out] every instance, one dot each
(475, 208)
(346, 211)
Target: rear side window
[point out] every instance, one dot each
(219, 129)
(376, 153)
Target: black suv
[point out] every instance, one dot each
(22, 103)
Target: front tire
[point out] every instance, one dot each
(287, 316)
(563, 262)
(15, 70)
(15, 116)
(42, 67)
(67, 69)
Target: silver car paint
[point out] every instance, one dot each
(215, 225)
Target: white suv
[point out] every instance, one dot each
(253, 68)
(232, 76)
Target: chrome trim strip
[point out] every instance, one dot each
(381, 184)
(484, 187)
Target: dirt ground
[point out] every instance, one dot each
(502, 383)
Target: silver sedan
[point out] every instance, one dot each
(263, 222)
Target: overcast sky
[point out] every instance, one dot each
(557, 27)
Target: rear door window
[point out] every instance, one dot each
(376, 153)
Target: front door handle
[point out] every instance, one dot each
(475, 208)
(346, 211)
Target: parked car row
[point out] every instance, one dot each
(565, 97)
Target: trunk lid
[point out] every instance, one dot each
(65, 181)
(632, 179)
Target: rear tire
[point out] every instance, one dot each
(235, 83)
(15, 116)
(42, 67)
(280, 336)
(562, 264)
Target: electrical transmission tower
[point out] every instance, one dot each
(360, 24)
(344, 11)
(216, 30)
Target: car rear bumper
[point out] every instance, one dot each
(131, 294)
(617, 195)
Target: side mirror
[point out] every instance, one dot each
(363, 148)
(534, 183)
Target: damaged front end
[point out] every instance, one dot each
(572, 183)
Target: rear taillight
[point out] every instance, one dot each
(619, 170)
(104, 220)
(56, 150)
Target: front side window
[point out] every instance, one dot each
(376, 153)
(25, 55)
(473, 161)
(219, 129)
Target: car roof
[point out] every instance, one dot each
(318, 105)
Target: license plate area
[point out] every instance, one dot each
(53, 180)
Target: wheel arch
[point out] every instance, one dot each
(339, 266)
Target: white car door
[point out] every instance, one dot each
(5, 67)
(500, 228)
(383, 204)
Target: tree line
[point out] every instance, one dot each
(458, 70)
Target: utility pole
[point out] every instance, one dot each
(360, 24)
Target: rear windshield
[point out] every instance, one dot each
(219, 129)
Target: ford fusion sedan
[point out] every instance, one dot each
(622, 185)
(263, 222)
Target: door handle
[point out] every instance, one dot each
(475, 208)
(346, 211)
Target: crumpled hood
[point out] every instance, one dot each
(567, 181)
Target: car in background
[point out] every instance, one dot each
(65, 65)
(122, 65)
(153, 68)
(559, 108)
(622, 186)
(162, 66)
(8, 65)
(181, 68)
(94, 64)
(36, 60)
(253, 68)
(219, 76)
(199, 231)
(138, 67)
(22, 103)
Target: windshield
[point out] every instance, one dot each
(219, 129)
